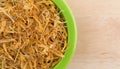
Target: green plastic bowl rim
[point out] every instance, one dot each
(72, 34)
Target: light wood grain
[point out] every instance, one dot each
(98, 23)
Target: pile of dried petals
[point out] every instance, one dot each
(32, 34)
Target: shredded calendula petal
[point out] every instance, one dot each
(33, 34)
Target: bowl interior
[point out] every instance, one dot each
(72, 33)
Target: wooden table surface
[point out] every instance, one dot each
(98, 23)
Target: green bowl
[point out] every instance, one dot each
(72, 34)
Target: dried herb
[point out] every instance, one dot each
(32, 34)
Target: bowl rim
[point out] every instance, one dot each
(72, 34)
